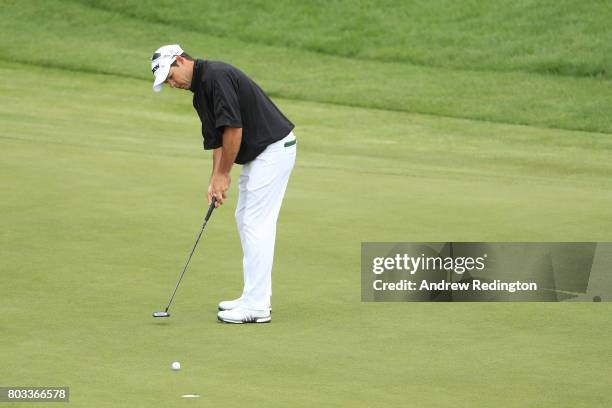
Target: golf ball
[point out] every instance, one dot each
(176, 366)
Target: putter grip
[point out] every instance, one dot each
(210, 209)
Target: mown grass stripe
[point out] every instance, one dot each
(562, 37)
(126, 46)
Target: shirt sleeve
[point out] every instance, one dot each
(225, 100)
(210, 142)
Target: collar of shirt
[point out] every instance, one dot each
(198, 75)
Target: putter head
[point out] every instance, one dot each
(161, 314)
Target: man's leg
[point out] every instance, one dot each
(240, 206)
(265, 188)
(262, 187)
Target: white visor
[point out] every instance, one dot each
(160, 76)
(161, 61)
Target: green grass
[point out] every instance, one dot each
(103, 197)
(496, 35)
(72, 36)
(103, 192)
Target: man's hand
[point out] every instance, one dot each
(223, 159)
(219, 184)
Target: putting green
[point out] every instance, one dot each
(103, 193)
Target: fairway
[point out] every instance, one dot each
(104, 187)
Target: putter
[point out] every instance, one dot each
(165, 313)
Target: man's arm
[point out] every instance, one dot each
(216, 159)
(223, 160)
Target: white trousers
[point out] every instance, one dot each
(262, 186)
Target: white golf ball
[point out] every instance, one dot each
(176, 366)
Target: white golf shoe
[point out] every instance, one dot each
(242, 315)
(232, 304)
(229, 304)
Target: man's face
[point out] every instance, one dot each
(180, 75)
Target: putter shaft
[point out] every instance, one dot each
(206, 218)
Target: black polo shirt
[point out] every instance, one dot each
(224, 96)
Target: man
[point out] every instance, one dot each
(241, 125)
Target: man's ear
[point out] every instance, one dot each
(180, 60)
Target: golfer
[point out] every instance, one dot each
(241, 125)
